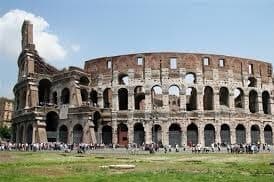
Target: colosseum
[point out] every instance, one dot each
(166, 98)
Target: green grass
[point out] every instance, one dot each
(22, 166)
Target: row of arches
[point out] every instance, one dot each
(175, 134)
(191, 98)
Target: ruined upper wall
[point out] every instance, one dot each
(188, 61)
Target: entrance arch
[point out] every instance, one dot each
(29, 134)
(139, 134)
(122, 134)
(107, 135)
(192, 134)
(268, 136)
(52, 119)
(63, 134)
(240, 134)
(225, 134)
(156, 131)
(209, 134)
(255, 134)
(175, 135)
(77, 134)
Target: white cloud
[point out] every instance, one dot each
(46, 43)
(75, 47)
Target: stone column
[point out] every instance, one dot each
(260, 103)
(148, 104)
(200, 99)
(100, 100)
(218, 133)
(183, 99)
(165, 134)
(130, 133)
(261, 127)
(131, 100)
(216, 101)
(231, 100)
(165, 98)
(114, 131)
(184, 136)
(201, 135)
(232, 134)
(248, 134)
(148, 133)
(115, 100)
(246, 100)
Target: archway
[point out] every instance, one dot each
(65, 96)
(107, 135)
(253, 101)
(63, 134)
(266, 102)
(123, 99)
(139, 98)
(224, 96)
(156, 96)
(93, 98)
(225, 134)
(84, 95)
(174, 98)
(139, 134)
(107, 97)
(84, 81)
(191, 99)
(192, 134)
(190, 78)
(255, 134)
(175, 135)
(122, 132)
(240, 134)
(52, 119)
(123, 79)
(209, 134)
(77, 134)
(239, 98)
(268, 136)
(208, 98)
(44, 91)
(29, 134)
(156, 131)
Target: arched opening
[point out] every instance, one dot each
(224, 96)
(239, 98)
(253, 101)
(225, 134)
(52, 119)
(21, 134)
(122, 132)
(29, 134)
(123, 79)
(77, 134)
(139, 134)
(84, 95)
(240, 134)
(93, 98)
(96, 120)
(252, 82)
(255, 134)
(208, 98)
(192, 134)
(54, 98)
(175, 135)
(107, 97)
(156, 96)
(209, 135)
(63, 134)
(156, 131)
(65, 96)
(123, 99)
(107, 135)
(174, 98)
(139, 98)
(44, 91)
(190, 78)
(191, 99)
(266, 102)
(268, 136)
(84, 81)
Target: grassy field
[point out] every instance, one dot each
(23, 166)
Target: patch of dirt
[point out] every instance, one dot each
(4, 157)
(45, 172)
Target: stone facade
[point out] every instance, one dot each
(167, 98)
(6, 111)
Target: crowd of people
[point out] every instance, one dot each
(152, 148)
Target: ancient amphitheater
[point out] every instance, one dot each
(166, 97)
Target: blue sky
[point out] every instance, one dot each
(88, 29)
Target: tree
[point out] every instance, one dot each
(5, 132)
